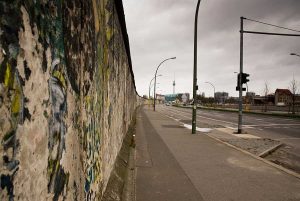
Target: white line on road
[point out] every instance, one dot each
(246, 126)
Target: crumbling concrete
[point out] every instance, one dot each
(67, 96)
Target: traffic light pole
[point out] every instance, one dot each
(240, 123)
(242, 77)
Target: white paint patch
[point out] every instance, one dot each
(203, 130)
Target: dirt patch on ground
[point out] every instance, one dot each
(283, 155)
(254, 146)
(286, 157)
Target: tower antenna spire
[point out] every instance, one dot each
(174, 84)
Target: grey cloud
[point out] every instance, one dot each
(159, 29)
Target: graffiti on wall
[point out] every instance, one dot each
(67, 95)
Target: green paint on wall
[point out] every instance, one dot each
(8, 76)
(57, 74)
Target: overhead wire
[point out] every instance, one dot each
(272, 25)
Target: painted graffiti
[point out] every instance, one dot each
(67, 95)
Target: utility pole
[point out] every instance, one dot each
(195, 86)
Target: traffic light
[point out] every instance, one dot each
(238, 82)
(238, 88)
(244, 78)
(244, 81)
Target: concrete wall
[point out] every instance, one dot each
(67, 97)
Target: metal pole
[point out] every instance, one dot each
(150, 87)
(155, 80)
(150, 84)
(195, 71)
(268, 33)
(240, 123)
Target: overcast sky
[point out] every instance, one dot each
(159, 29)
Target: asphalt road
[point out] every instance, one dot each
(286, 130)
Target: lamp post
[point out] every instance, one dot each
(214, 90)
(150, 84)
(155, 78)
(195, 87)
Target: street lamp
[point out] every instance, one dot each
(294, 54)
(156, 76)
(195, 87)
(150, 84)
(214, 90)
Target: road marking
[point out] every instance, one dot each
(175, 111)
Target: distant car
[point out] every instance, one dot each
(167, 104)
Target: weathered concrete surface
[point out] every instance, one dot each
(67, 95)
(118, 183)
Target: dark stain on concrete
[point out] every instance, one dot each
(27, 70)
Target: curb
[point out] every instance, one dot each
(290, 172)
(270, 150)
(247, 112)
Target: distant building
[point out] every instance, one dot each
(258, 100)
(221, 97)
(297, 99)
(250, 94)
(283, 97)
(269, 99)
(180, 97)
(250, 97)
(170, 97)
(160, 97)
(183, 97)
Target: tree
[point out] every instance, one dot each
(294, 90)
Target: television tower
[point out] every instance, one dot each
(174, 85)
